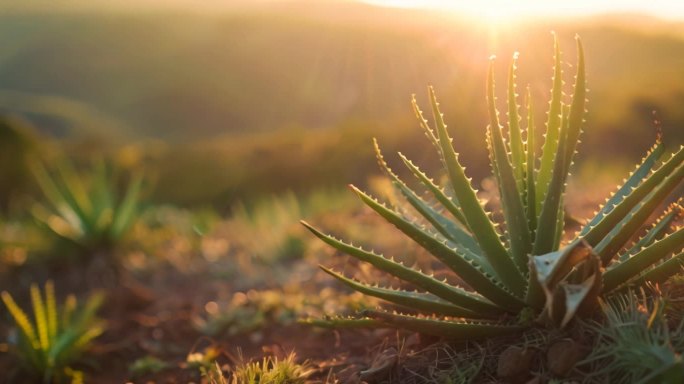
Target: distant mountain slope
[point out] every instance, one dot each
(195, 75)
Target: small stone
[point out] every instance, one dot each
(562, 356)
(514, 362)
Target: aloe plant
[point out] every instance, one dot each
(57, 337)
(86, 209)
(519, 268)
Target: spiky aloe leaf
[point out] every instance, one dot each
(550, 216)
(410, 300)
(40, 317)
(632, 182)
(657, 231)
(511, 197)
(616, 238)
(451, 329)
(461, 261)
(455, 295)
(436, 191)
(451, 203)
(530, 173)
(344, 322)
(553, 126)
(478, 221)
(599, 231)
(621, 273)
(514, 132)
(21, 319)
(662, 272)
(443, 225)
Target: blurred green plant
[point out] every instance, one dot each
(87, 209)
(637, 343)
(253, 310)
(522, 271)
(147, 364)
(58, 337)
(264, 228)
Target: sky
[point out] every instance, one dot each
(503, 9)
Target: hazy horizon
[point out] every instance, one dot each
(529, 10)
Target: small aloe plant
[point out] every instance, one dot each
(519, 268)
(85, 209)
(58, 336)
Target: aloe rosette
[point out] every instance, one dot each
(520, 269)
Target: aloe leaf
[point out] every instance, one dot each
(412, 300)
(514, 132)
(511, 198)
(344, 322)
(599, 231)
(101, 196)
(547, 237)
(68, 310)
(662, 272)
(574, 295)
(455, 295)
(439, 194)
(476, 217)
(449, 329)
(461, 261)
(632, 182)
(530, 173)
(617, 237)
(51, 310)
(549, 220)
(128, 208)
(553, 126)
(89, 335)
(622, 272)
(429, 132)
(579, 293)
(443, 225)
(656, 232)
(75, 194)
(552, 267)
(577, 108)
(21, 319)
(47, 185)
(40, 317)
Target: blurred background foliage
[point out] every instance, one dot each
(249, 100)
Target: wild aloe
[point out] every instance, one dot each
(518, 267)
(58, 337)
(85, 209)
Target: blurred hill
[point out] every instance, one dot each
(257, 97)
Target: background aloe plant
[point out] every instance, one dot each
(86, 209)
(518, 267)
(57, 337)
